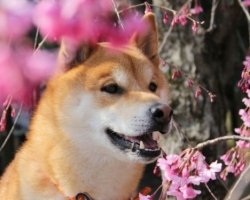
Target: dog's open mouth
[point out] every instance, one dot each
(143, 145)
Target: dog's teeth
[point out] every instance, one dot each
(155, 135)
(142, 146)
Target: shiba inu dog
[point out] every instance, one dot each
(94, 128)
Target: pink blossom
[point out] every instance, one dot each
(147, 8)
(196, 10)
(142, 197)
(245, 117)
(223, 175)
(198, 92)
(15, 18)
(13, 111)
(245, 75)
(189, 192)
(198, 161)
(164, 63)
(178, 172)
(84, 21)
(235, 160)
(175, 20)
(246, 2)
(176, 73)
(176, 193)
(246, 101)
(209, 172)
(243, 144)
(248, 93)
(185, 170)
(182, 17)
(240, 166)
(167, 167)
(242, 112)
(21, 70)
(11, 78)
(3, 121)
(230, 168)
(196, 180)
(165, 18)
(195, 27)
(174, 189)
(190, 83)
(226, 157)
(238, 130)
(173, 161)
(212, 96)
(40, 66)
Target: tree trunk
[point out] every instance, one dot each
(213, 58)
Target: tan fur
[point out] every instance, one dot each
(67, 149)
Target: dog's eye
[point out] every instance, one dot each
(152, 87)
(112, 89)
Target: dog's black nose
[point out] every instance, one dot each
(161, 114)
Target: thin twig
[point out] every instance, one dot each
(171, 27)
(184, 5)
(214, 6)
(155, 192)
(142, 4)
(165, 39)
(212, 194)
(36, 37)
(12, 128)
(40, 44)
(187, 77)
(247, 16)
(163, 8)
(219, 139)
(244, 9)
(131, 7)
(117, 14)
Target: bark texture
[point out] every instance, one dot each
(214, 60)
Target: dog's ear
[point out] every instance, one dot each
(147, 40)
(69, 56)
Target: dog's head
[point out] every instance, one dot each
(113, 99)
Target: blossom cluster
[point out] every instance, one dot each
(179, 17)
(235, 158)
(181, 173)
(245, 75)
(24, 64)
(89, 21)
(77, 22)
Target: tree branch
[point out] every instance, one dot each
(211, 25)
(219, 139)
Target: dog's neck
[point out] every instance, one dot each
(95, 175)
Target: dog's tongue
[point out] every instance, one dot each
(147, 140)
